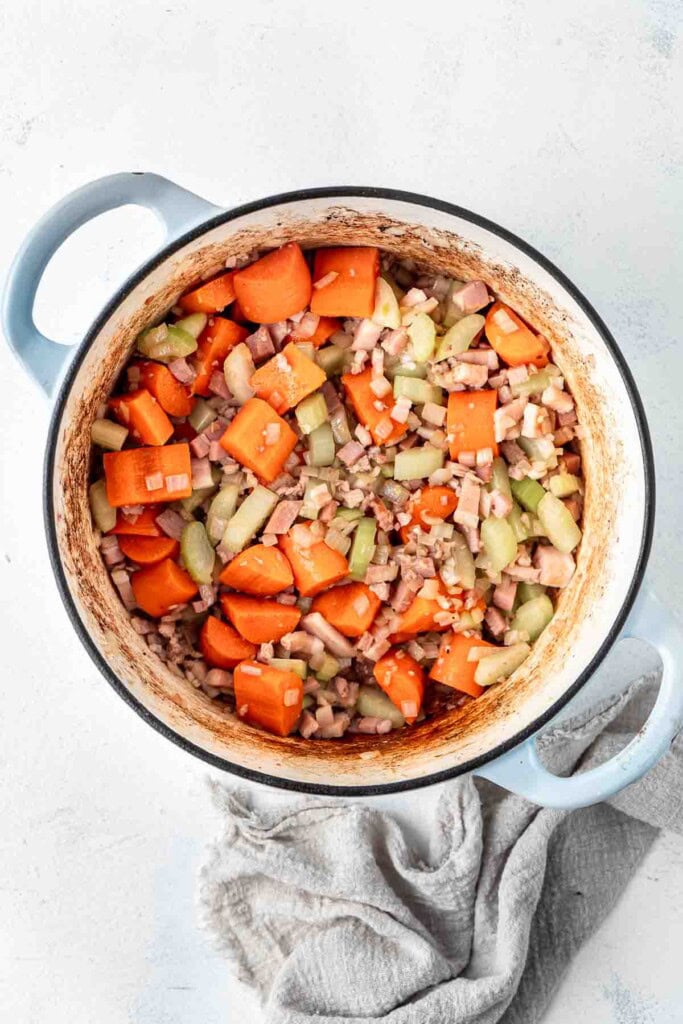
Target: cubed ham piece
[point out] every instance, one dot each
(351, 452)
(496, 622)
(261, 345)
(171, 522)
(512, 452)
(332, 639)
(472, 376)
(517, 375)
(535, 422)
(571, 462)
(200, 446)
(395, 341)
(201, 473)
(473, 297)
(505, 593)
(366, 336)
(283, 517)
(555, 568)
(467, 512)
(218, 386)
(479, 357)
(182, 371)
(308, 725)
(557, 400)
(501, 504)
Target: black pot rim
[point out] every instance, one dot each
(340, 193)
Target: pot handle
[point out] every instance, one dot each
(177, 209)
(521, 772)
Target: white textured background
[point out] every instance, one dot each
(560, 121)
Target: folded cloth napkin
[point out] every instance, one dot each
(330, 915)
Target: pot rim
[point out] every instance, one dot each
(341, 192)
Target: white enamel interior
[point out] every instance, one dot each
(614, 512)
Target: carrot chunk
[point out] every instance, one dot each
(268, 696)
(222, 646)
(259, 570)
(514, 342)
(259, 439)
(452, 667)
(469, 421)
(157, 588)
(149, 550)
(258, 620)
(419, 617)
(173, 397)
(371, 411)
(315, 566)
(433, 503)
(143, 416)
(352, 291)
(327, 326)
(403, 681)
(351, 608)
(274, 287)
(287, 378)
(144, 526)
(211, 296)
(213, 345)
(145, 476)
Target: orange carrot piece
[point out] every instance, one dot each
(287, 378)
(258, 620)
(433, 503)
(452, 667)
(352, 292)
(213, 345)
(512, 339)
(127, 474)
(173, 397)
(149, 550)
(315, 567)
(403, 681)
(419, 618)
(351, 608)
(276, 286)
(259, 570)
(469, 421)
(211, 296)
(157, 588)
(143, 416)
(371, 411)
(238, 314)
(246, 439)
(222, 646)
(268, 696)
(327, 326)
(144, 526)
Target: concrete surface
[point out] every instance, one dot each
(561, 122)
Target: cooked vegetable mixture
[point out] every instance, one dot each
(339, 492)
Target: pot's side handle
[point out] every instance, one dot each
(176, 208)
(521, 771)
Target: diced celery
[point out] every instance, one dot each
(340, 426)
(533, 616)
(501, 664)
(308, 509)
(387, 470)
(393, 284)
(393, 491)
(109, 435)
(194, 324)
(451, 313)
(102, 512)
(459, 337)
(499, 542)
(321, 446)
(417, 390)
(166, 343)
(536, 528)
(464, 562)
(296, 665)
(220, 512)
(249, 518)
(311, 412)
(386, 311)
(194, 500)
(330, 359)
(307, 701)
(529, 591)
(362, 548)
(238, 368)
(539, 449)
(516, 521)
(563, 484)
(416, 463)
(404, 366)
(350, 515)
(374, 703)
(197, 553)
(500, 480)
(202, 415)
(328, 669)
(422, 334)
(527, 492)
(536, 382)
(464, 621)
(559, 524)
